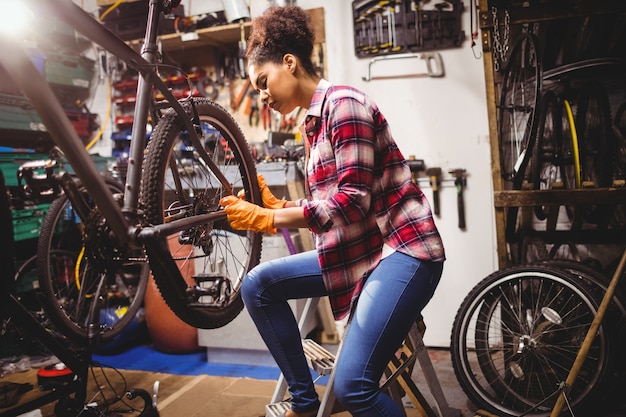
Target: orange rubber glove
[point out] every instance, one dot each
(247, 216)
(269, 200)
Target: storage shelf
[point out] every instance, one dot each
(215, 37)
(528, 198)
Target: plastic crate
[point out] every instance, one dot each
(27, 222)
(75, 71)
(16, 113)
(84, 123)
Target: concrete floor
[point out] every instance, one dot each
(454, 395)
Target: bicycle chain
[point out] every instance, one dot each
(500, 47)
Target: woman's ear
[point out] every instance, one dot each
(290, 62)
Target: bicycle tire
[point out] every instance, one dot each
(517, 334)
(26, 292)
(213, 253)
(70, 276)
(570, 154)
(519, 99)
(620, 118)
(546, 157)
(593, 126)
(595, 141)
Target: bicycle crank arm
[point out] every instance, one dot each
(73, 194)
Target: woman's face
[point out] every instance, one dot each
(276, 83)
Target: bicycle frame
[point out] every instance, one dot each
(122, 220)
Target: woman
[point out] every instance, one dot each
(376, 240)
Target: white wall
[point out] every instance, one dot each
(441, 120)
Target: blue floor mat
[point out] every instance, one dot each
(147, 358)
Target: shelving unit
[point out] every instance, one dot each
(578, 41)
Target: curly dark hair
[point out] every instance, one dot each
(279, 31)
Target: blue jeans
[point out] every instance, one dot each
(392, 299)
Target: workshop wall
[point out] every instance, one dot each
(440, 120)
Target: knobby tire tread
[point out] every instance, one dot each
(160, 148)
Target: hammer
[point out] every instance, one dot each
(415, 165)
(435, 179)
(460, 182)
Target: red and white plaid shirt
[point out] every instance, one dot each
(361, 194)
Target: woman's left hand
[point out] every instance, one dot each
(247, 216)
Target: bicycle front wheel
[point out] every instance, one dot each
(516, 336)
(178, 183)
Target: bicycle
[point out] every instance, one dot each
(166, 215)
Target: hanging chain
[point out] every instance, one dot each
(500, 46)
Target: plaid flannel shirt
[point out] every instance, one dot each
(360, 193)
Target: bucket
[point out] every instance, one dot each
(235, 10)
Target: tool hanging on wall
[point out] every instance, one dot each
(432, 60)
(243, 46)
(434, 174)
(460, 182)
(386, 27)
(416, 166)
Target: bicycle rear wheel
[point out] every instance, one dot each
(178, 183)
(516, 336)
(92, 291)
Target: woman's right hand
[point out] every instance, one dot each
(269, 200)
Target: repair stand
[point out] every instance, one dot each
(398, 380)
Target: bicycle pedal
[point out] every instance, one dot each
(213, 278)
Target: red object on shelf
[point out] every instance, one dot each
(83, 122)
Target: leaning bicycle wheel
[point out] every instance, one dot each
(92, 289)
(595, 140)
(516, 336)
(178, 183)
(546, 157)
(519, 99)
(593, 123)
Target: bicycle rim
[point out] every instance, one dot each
(571, 152)
(212, 258)
(73, 278)
(516, 336)
(593, 125)
(519, 98)
(570, 167)
(546, 161)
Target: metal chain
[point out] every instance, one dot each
(500, 46)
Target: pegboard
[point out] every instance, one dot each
(402, 26)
